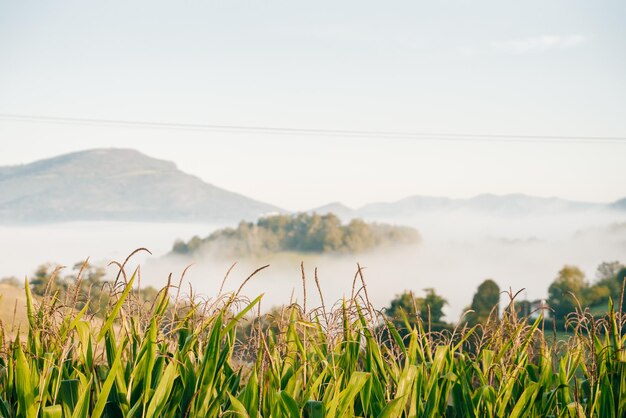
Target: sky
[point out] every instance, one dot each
(466, 67)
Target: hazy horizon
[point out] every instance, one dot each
(458, 252)
(363, 201)
(303, 104)
(478, 69)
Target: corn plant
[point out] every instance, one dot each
(183, 358)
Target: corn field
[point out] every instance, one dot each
(182, 357)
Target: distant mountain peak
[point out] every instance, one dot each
(337, 208)
(512, 204)
(619, 204)
(331, 205)
(116, 184)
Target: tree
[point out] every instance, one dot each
(485, 300)
(358, 236)
(302, 232)
(401, 305)
(597, 294)
(608, 270)
(620, 278)
(432, 306)
(11, 281)
(523, 308)
(45, 278)
(564, 292)
(429, 307)
(607, 276)
(180, 247)
(90, 286)
(332, 233)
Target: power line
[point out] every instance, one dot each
(429, 136)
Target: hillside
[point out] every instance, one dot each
(115, 184)
(488, 204)
(13, 308)
(620, 204)
(126, 185)
(337, 208)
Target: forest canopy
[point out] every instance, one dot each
(303, 233)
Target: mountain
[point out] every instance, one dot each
(342, 211)
(487, 204)
(126, 185)
(521, 204)
(116, 184)
(619, 204)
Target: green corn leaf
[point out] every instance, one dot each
(54, 411)
(526, 400)
(163, 391)
(231, 324)
(30, 308)
(250, 395)
(4, 408)
(76, 319)
(69, 395)
(237, 407)
(289, 405)
(106, 387)
(393, 408)
(116, 309)
(23, 384)
(82, 406)
(313, 409)
(345, 400)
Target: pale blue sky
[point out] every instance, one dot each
(532, 67)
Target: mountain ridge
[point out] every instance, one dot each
(116, 184)
(489, 203)
(121, 184)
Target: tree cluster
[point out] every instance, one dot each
(86, 282)
(302, 233)
(485, 303)
(407, 309)
(570, 289)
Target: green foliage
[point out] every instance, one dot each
(610, 277)
(566, 292)
(85, 283)
(484, 303)
(145, 362)
(176, 364)
(300, 233)
(408, 308)
(570, 290)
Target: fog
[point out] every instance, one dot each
(23, 248)
(459, 251)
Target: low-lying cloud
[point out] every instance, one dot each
(459, 251)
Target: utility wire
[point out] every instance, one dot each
(429, 136)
